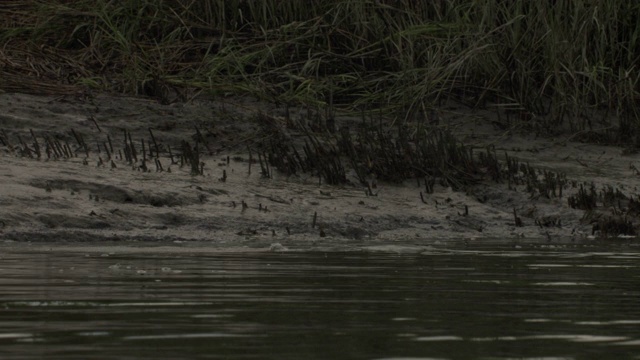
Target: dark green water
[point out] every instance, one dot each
(489, 303)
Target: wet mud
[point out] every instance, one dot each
(66, 176)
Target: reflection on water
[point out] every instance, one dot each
(493, 303)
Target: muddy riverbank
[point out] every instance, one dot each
(104, 195)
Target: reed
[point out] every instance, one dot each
(548, 65)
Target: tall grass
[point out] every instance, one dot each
(560, 63)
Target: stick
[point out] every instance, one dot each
(153, 138)
(95, 122)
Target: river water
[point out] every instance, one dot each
(460, 302)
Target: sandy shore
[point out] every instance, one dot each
(91, 199)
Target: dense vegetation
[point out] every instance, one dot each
(561, 62)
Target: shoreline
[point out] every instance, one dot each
(94, 198)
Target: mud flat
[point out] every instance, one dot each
(67, 176)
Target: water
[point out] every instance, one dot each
(482, 303)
